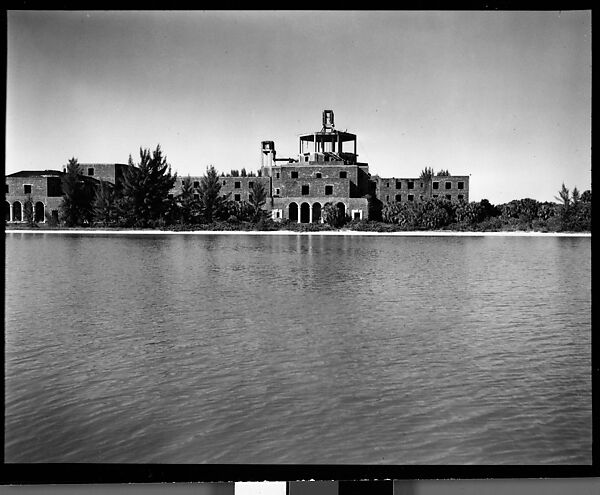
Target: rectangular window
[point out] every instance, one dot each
(250, 197)
(319, 175)
(436, 185)
(460, 197)
(294, 174)
(387, 197)
(236, 197)
(27, 188)
(237, 184)
(305, 190)
(277, 175)
(398, 197)
(411, 197)
(387, 184)
(343, 174)
(435, 195)
(448, 197)
(277, 191)
(250, 184)
(461, 185)
(306, 158)
(91, 171)
(357, 215)
(411, 184)
(398, 184)
(448, 185)
(328, 190)
(196, 183)
(278, 214)
(196, 197)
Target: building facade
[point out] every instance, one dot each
(325, 171)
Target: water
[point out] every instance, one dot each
(298, 349)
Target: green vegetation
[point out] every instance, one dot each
(143, 201)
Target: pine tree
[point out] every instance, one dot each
(210, 199)
(145, 189)
(186, 198)
(105, 204)
(78, 194)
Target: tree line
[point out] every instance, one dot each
(143, 200)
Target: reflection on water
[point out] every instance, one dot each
(298, 349)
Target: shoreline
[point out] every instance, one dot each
(414, 233)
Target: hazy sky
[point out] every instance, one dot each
(502, 96)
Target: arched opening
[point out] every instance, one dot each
(39, 212)
(305, 213)
(342, 207)
(7, 211)
(17, 216)
(293, 212)
(316, 216)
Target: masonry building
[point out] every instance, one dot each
(325, 171)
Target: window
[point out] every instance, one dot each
(328, 190)
(449, 197)
(236, 197)
(343, 174)
(387, 184)
(448, 185)
(196, 183)
(306, 158)
(398, 184)
(461, 185)
(411, 197)
(305, 190)
(460, 197)
(250, 197)
(224, 182)
(294, 174)
(435, 195)
(436, 185)
(319, 175)
(387, 197)
(237, 184)
(91, 171)
(411, 184)
(27, 189)
(277, 191)
(196, 197)
(250, 184)
(398, 197)
(277, 175)
(356, 215)
(278, 214)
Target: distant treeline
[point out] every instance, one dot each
(142, 200)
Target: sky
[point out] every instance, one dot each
(504, 97)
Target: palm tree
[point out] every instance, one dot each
(563, 195)
(427, 176)
(258, 198)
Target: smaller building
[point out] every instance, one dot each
(42, 187)
(402, 190)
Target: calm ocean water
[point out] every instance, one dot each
(298, 349)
